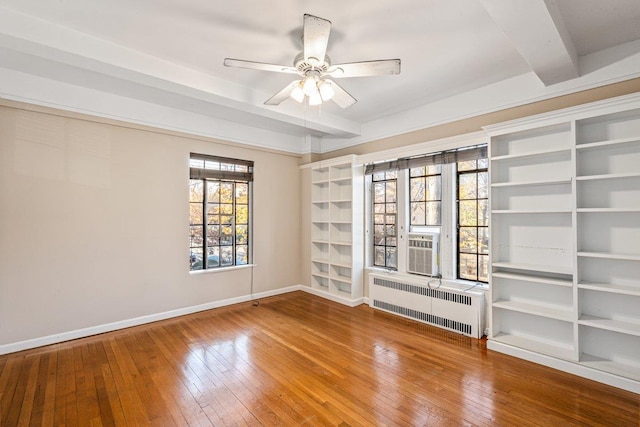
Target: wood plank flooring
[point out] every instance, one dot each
(295, 359)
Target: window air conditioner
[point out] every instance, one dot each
(423, 254)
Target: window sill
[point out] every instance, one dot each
(221, 269)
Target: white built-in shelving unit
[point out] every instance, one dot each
(336, 229)
(565, 240)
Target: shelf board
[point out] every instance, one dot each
(532, 278)
(611, 288)
(320, 260)
(534, 267)
(621, 326)
(321, 181)
(342, 179)
(320, 202)
(341, 201)
(616, 368)
(323, 275)
(538, 153)
(321, 241)
(607, 143)
(320, 221)
(532, 183)
(531, 211)
(341, 222)
(609, 255)
(550, 311)
(608, 210)
(341, 264)
(608, 176)
(341, 243)
(544, 347)
(341, 279)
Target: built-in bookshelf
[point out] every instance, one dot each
(565, 240)
(336, 229)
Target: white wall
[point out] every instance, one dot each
(94, 224)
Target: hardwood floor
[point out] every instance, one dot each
(294, 360)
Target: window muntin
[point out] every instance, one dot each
(385, 219)
(219, 212)
(425, 194)
(473, 220)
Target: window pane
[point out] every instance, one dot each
(467, 186)
(483, 185)
(195, 213)
(213, 191)
(378, 176)
(226, 255)
(378, 219)
(242, 255)
(417, 186)
(379, 256)
(392, 257)
(226, 192)
(390, 196)
(213, 235)
(379, 192)
(418, 214)
(416, 172)
(242, 214)
(483, 212)
(465, 166)
(195, 259)
(483, 240)
(468, 267)
(378, 208)
(213, 258)
(483, 268)
(242, 193)
(196, 190)
(483, 163)
(379, 239)
(195, 236)
(391, 175)
(433, 189)
(226, 219)
(468, 212)
(242, 234)
(432, 213)
(468, 240)
(392, 208)
(226, 235)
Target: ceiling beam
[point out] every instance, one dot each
(538, 32)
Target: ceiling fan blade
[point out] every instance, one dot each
(239, 63)
(315, 38)
(283, 94)
(341, 96)
(365, 68)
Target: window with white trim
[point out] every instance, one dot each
(445, 193)
(219, 212)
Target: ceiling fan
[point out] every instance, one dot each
(314, 66)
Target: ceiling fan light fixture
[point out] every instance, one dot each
(315, 98)
(310, 85)
(297, 93)
(326, 90)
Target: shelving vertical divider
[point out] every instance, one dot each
(574, 222)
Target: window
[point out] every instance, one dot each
(445, 193)
(219, 212)
(473, 220)
(425, 187)
(385, 218)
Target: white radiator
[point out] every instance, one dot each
(447, 308)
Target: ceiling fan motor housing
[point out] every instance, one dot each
(304, 67)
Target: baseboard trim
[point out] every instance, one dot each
(567, 366)
(127, 323)
(333, 297)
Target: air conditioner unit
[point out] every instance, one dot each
(423, 254)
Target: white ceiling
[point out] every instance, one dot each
(482, 54)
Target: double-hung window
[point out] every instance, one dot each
(219, 211)
(473, 220)
(385, 218)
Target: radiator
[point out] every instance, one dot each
(451, 309)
